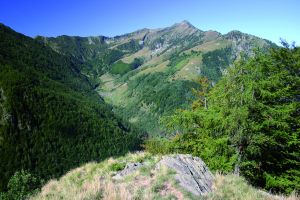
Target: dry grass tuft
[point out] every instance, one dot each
(236, 187)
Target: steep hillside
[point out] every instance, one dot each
(150, 73)
(51, 120)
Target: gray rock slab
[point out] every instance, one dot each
(191, 173)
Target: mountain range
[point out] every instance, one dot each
(150, 73)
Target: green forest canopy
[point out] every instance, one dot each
(50, 118)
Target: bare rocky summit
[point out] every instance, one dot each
(191, 172)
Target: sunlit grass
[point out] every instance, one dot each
(95, 181)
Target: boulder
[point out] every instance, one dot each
(191, 173)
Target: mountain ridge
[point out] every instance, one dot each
(179, 54)
(183, 22)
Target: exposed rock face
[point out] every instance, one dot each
(129, 169)
(192, 173)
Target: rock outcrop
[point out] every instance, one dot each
(148, 176)
(129, 169)
(191, 173)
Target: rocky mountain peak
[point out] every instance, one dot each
(184, 25)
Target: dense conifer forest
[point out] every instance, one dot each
(51, 119)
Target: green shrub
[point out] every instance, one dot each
(157, 145)
(20, 186)
(117, 166)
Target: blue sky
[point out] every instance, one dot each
(270, 19)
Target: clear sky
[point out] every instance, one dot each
(270, 19)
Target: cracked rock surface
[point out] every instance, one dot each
(191, 173)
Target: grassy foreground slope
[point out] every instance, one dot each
(51, 120)
(94, 181)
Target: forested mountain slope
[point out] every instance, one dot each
(51, 120)
(151, 72)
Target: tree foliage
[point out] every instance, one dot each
(21, 186)
(253, 110)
